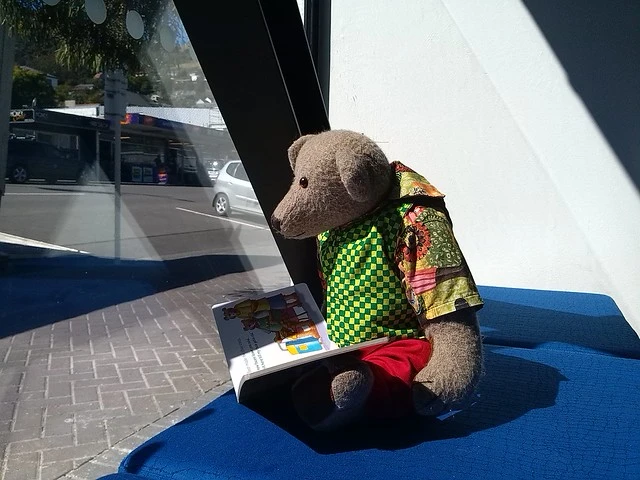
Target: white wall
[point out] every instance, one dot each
(470, 94)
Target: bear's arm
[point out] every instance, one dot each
(434, 273)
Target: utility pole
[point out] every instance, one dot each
(115, 108)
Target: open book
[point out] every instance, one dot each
(270, 338)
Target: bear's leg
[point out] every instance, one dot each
(376, 382)
(394, 366)
(333, 394)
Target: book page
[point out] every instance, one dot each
(270, 331)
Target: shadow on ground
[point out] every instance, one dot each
(40, 290)
(533, 385)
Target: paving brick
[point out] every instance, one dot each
(176, 339)
(127, 364)
(41, 337)
(174, 367)
(155, 380)
(27, 417)
(61, 328)
(113, 399)
(142, 392)
(78, 366)
(102, 346)
(70, 377)
(10, 378)
(22, 467)
(117, 432)
(122, 386)
(97, 330)
(94, 382)
(187, 372)
(38, 444)
(6, 411)
(135, 422)
(85, 394)
(105, 414)
(6, 437)
(60, 363)
(145, 354)
(168, 358)
(130, 440)
(184, 384)
(38, 362)
(144, 405)
(34, 379)
(73, 408)
(90, 471)
(58, 424)
(73, 452)
(199, 344)
(58, 389)
(124, 353)
(90, 431)
(104, 371)
(82, 356)
(81, 344)
(110, 458)
(171, 400)
(130, 375)
(54, 470)
(136, 335)
(191, 361)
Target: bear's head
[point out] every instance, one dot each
(339, 176)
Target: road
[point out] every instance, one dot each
(158, 222)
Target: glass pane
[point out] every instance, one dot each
(241, 174)
(114, 243)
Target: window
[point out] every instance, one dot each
(240, 173)
(231, 168)
(110, 267)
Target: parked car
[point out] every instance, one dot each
(233, 191)
(27, 159)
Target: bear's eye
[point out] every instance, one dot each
(304, 183)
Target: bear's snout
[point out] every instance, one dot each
(275, 223)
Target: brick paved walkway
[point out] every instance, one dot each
(77, 395)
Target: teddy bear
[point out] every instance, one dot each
(390, 266)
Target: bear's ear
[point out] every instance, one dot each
(365, 174)
(294, 150)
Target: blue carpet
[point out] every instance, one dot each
(560, 403)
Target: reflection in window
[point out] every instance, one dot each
(111, 248)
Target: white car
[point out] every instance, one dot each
(233, 191)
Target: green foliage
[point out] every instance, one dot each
(29, 85)
(78, 42)
(81, 95)
(140, 83)
(61, 40)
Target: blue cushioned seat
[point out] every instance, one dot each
(554, 403)
(562, 320)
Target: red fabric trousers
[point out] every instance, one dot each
(394, 365)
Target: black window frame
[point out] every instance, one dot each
(262, 75)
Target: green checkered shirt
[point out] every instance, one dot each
(364, 294)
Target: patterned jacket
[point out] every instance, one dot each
(396, 268)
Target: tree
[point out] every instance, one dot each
(30, 85)
(79, 42)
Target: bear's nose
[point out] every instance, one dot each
(275, 223)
